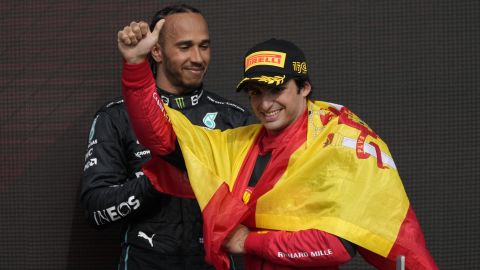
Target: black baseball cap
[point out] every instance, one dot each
(273, 63)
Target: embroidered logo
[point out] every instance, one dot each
(92, 130)
(144, 236)
(265, 58)
(180, 102)
(277, 80)
(246, 195)
(300, 67)
(329, 140)
(209, 120)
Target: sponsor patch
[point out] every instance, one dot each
(140, 154)
(92, 130)
(116, 212)
(146, 237)
(88, 154)
(180, 102)
(92, 143)
(209, 120)
(300, 67)
(265, 58)
(90, 163)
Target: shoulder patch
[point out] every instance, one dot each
(92, 130)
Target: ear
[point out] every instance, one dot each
(156, 53)
(307, 88)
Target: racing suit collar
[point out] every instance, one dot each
(180, 102)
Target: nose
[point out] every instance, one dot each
(267, 99)
(196, 55)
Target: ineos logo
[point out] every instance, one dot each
(116, 212)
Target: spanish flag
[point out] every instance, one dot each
(341, 179)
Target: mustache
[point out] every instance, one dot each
(196, 65)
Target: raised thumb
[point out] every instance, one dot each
(158, 27)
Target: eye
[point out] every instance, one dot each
(280, 89)
(184, 45)
(205, 45)
(253, 92)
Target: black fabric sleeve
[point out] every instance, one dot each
(111, 191)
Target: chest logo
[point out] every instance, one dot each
(180, 102)
(209, 120)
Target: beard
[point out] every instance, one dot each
(179, 79)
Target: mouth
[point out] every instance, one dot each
(271, 115)
(196, 71)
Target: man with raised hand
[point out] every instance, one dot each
(159, 231)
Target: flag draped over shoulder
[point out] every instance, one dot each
(342, 181)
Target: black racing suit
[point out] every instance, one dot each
(159, 231)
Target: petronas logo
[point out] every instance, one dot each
(209, 120)
(180, 102)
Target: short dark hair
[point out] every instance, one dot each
(300, 82)
(172, 9)
(161, 14)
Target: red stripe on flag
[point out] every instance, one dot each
(410, 243)
(221, 215)
(167, 178)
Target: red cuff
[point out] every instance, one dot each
(254, 243)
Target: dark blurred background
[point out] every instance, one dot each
(410, 69)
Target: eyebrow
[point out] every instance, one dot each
(190, 42)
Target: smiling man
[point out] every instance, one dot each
(308, 187)
(183, 53)
(159, 231)
(283, 101)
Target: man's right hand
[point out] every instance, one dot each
(235, 241)
(135, 40)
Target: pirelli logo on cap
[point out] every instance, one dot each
(265, 58)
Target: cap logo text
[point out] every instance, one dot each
(265, 58)
(300, 67)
